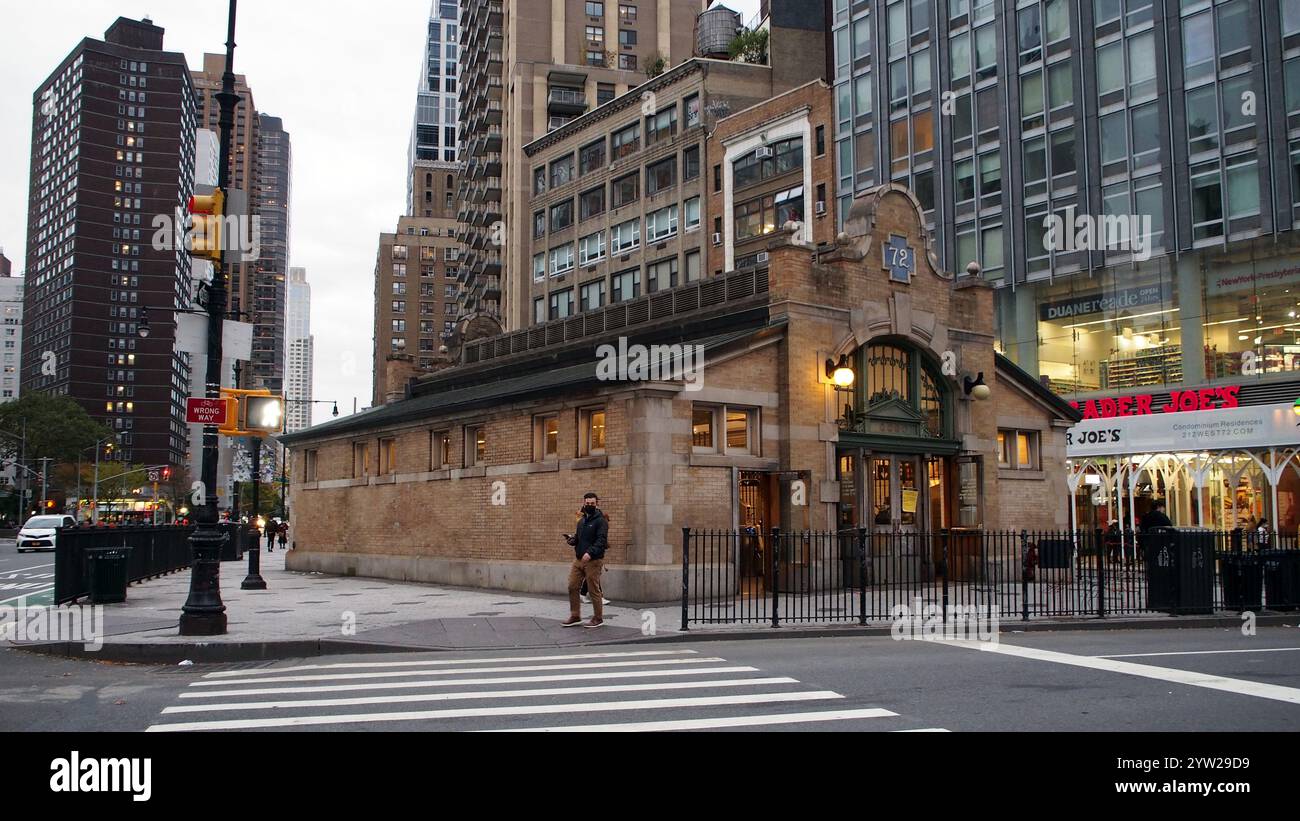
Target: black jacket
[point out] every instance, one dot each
(592, 534)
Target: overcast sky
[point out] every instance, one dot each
(343, 77)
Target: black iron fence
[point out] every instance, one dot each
(153, 552)
(753, 577)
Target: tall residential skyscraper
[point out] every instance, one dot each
(562, 58)
(301, 344)
(433, 136)
(113, 132)
(270, 272)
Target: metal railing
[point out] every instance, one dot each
(154, 552)
(754, 577)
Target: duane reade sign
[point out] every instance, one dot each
(1197, 431)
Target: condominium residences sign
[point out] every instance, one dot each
(1230, 428)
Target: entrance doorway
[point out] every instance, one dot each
(895, 496)
(755, 518)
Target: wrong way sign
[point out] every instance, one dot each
(205, 411)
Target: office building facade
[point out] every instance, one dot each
(1125, 171)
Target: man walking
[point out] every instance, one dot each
(589, 540)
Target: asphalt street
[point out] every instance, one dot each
(1138, 680)
(26, 579)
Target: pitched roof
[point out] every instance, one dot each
(1023, 378)
(493, 391)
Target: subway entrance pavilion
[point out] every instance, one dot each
(840, 387)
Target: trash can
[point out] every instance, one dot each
(1281, 578)
(108, 574)
(1180, 570)
(1243, 583)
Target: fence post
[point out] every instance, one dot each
(943, 568)
(1102, 549)
(862, 576)
(1024, 575)
(686, 541)
(776, 580)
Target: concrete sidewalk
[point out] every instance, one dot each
(309, 614)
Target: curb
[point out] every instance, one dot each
(228, 652)
(820, 632)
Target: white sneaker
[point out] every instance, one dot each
(585, 598)
(604, 600)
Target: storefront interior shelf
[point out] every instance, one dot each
(1160, 366)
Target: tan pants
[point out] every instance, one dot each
(591, 572)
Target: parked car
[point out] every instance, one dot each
(40, 531)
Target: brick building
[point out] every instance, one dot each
(471, 478)
(415, 297)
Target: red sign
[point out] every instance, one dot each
(205, 411)
(1143, 405)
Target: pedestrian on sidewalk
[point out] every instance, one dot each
(589, 540)
(284, 535)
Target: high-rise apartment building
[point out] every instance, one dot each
(301, 344)
(113, 133)
(527, 68)
(434, 145)
(11, 313)
(271, 269)
(416, 269)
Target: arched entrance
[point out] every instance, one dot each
(896, 442)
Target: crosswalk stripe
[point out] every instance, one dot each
(458, 672)
(479, 694)
(484, 712)
(428, 662)
(924, 730)
(709, 723)
(461, 682)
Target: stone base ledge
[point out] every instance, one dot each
(623, 583)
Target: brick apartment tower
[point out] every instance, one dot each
(113, 131)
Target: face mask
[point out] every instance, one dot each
(589, 509)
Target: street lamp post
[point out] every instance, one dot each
(254, 580)
(204, 614)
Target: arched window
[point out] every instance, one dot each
(898, 392)
(428, 180)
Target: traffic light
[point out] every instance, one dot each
(49, 504)
(166, 474)
(262, 414)
(206, 214)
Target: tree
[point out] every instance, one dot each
(56, 427)
(750, 46)
(655, 65)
